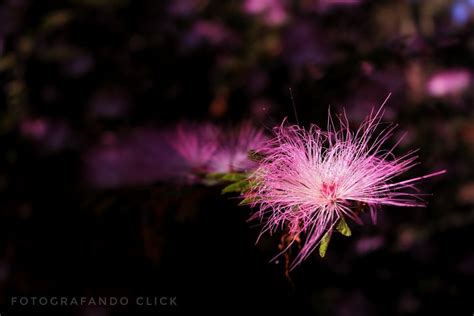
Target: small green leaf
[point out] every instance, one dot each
(233, 187)
(343, 228)
(234, 176)
(239, 186)
(323, 246)
(229, 177)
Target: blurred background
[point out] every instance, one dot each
(89, 207)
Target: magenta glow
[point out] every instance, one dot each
(235, 144)
(448, 82)
(196, 143)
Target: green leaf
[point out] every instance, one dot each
(239, 186)
(323, 246)
(343, 228)
(233, 187)
(230, 177)
(234, 176)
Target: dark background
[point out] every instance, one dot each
(87, 87)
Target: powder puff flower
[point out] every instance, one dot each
(196, 143)
(209, 153)
(309, 181)
(235, 144)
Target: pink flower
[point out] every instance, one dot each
(206, 149)
(196, 143)
(235, 145)
(310, 179)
